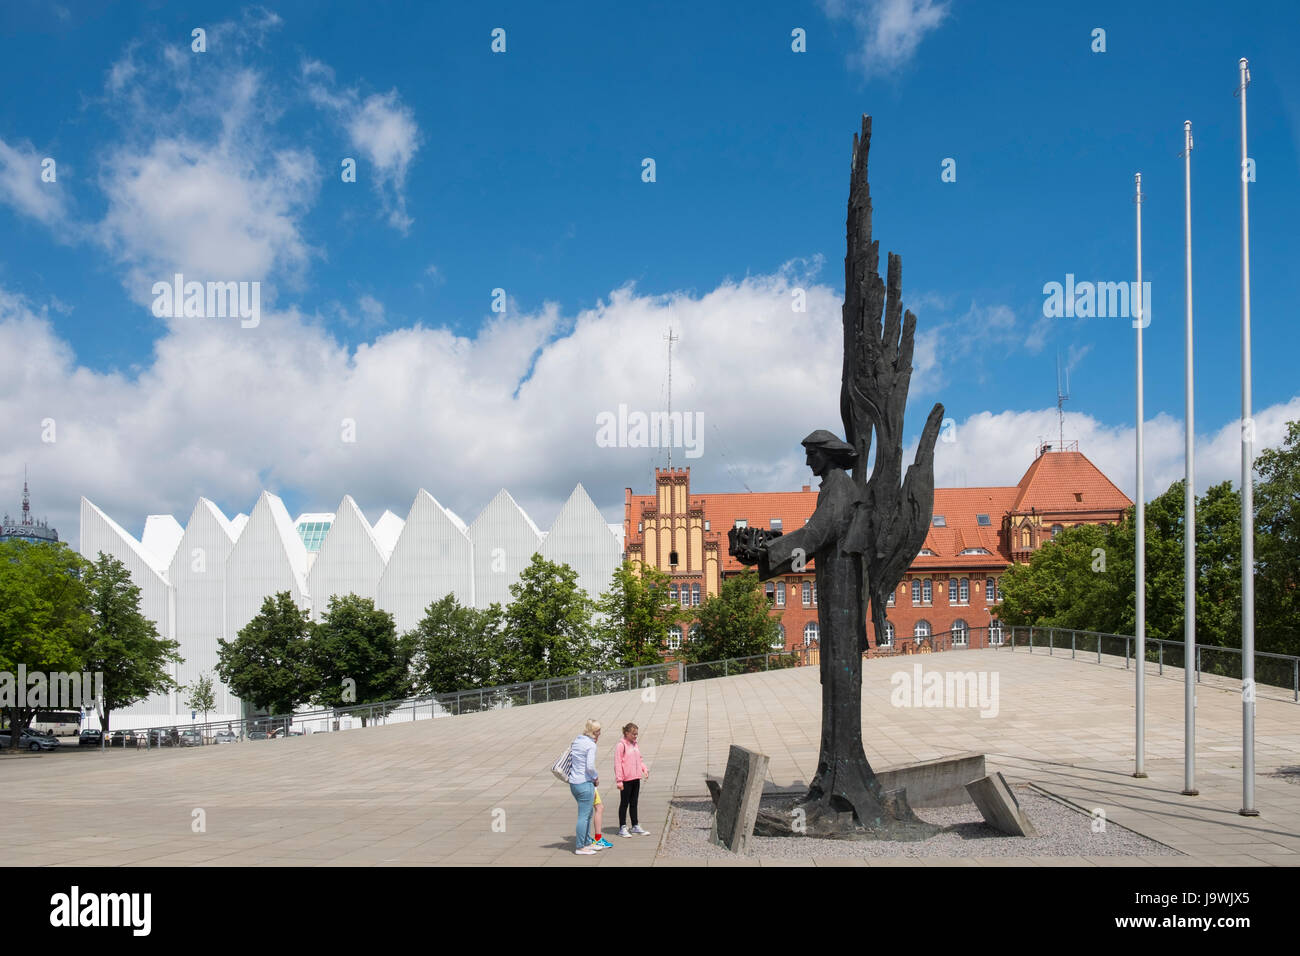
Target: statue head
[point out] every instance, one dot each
(825, 452)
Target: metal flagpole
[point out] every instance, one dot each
(1247, 493)
(1189, 504)
(1140, 656)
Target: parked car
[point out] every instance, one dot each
(30, 740)
(225, 737)
(258, 735)
(90, 738)
(123, 738)
(190, 738)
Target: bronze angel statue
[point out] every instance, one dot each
(865, 531)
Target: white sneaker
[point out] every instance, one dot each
(622, 831)
(585, 851)
(639, 832)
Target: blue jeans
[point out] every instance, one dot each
(585, 794)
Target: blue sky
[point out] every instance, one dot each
(522, 170)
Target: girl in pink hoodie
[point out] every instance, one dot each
(629, 770)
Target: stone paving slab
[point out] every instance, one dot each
(477, 788)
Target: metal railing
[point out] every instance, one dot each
(1281, 671)
(1278, 671)
(461, 702)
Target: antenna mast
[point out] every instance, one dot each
(1061, 398)
(670, 338)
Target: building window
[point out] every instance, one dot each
(674, 637)
(995, 632)
(1057, 529)
(672, 593)
(742, 522)
(780, 594)
(776, 524)
(686, 596)
(964, 587)
(769, 589)
(940, 521)
(889, 601)
(814, 604)
(807, 594)
(916, 591)
(695, 595)
(640, 526)
(927, 591)
(960, 633)
(952, 590)
(694, 631)
(810, 633)
(779, 643)
(983, 521)
(921, 630)
(889, 635)
(672, 559)
(706, 524)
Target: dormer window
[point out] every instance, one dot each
(775, 524)
(940, 521)
(983, 521)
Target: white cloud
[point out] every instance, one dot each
(995, 448)
(381, 127)
(22, 188)
(888, 30)
(223, 411)
(202, 183)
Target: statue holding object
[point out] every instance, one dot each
(863, 535)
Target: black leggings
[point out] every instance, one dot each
(627, 799)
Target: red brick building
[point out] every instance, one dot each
(952, 586)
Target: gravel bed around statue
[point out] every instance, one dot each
(1064, 831)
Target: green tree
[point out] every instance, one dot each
(267, 663)
(123, 644)
(457, 648)
(44, 616)
(355, 655)
(1277, 548)
(1086, 578)
(548, 625)
(635, 615)
(202, 697)
(736, 622)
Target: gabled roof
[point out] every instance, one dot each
(1067, 481)
(961, 508)
(270, 520)
(99, 532)
(162, 533)
(387, 529)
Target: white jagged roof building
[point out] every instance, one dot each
(203, 582)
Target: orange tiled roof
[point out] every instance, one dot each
(1050, 485)
(1067, 481)
(961, 508)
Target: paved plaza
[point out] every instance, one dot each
(477, 789)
